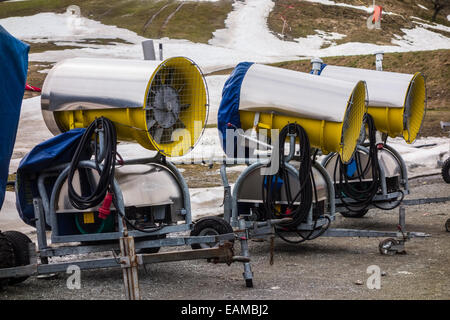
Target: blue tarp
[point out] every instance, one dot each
(48, 154)
(229, 106)
(13, 75)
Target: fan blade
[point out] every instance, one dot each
(179, 124)
(168, 79)
(167, 135)
(158, 134)
(181, 88)
(151, 123)
(157, 80)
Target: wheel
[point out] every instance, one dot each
(6, 256)
(209, 226)
(357, 214)
(249, 283)
(447, 225)
(446, 171)
(20, 243)
(386, 245)
(153, 249)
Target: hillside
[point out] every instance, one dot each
(346, 20)
(195, 21)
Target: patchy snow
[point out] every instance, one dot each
(9, 218)
(421, 38)
(421, 6)
(246, 37)
(435, 26)
(206, 201)
(368, 9)
(48, 26)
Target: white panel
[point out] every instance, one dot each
(385, 89)
(298, 94)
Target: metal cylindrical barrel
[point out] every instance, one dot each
(161, 105)
(331, 111)
(397, 101)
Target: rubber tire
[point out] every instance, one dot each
(447, 225)
(352, 214)
(446, 171)
(249, 283)
(387, 252)
(6, 256)
(216, 223)
(20, 243)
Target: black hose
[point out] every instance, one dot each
(105, 168)
(270, 191)
(361, 195)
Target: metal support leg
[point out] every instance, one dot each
(227, 197)
(40, 223)
(129, 263)
(248, 274)
(401, 218)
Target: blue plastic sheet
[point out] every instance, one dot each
(229, 105)
(13, 74)
(46, 155)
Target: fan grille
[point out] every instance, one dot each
(352, 123)
(176, 107)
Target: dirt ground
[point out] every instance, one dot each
(326, 268)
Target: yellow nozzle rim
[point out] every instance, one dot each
(353, 121)
(414, 109)
(190, 86)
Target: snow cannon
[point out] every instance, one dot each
(263, 97)
(397, 101)
(376, 177)
(161, 105)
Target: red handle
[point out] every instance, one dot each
(104, 210)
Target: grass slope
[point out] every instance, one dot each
(305, 17)
(195, 21)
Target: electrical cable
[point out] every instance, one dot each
(307, 184)
(105, 168)
(106, 174)
(361, 195)
(270, 191)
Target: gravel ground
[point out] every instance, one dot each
(326, 268)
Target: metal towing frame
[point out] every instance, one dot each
(262, 229)
(220, 251)
(385, 195)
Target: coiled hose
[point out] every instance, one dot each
(269, 187)
(106, 174)
(362, 195)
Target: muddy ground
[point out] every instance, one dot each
(326, 268)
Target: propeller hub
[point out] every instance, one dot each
(167, 106)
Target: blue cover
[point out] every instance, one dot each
(321, 69)
(13, 75)
(55, 151)
(229, 106)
